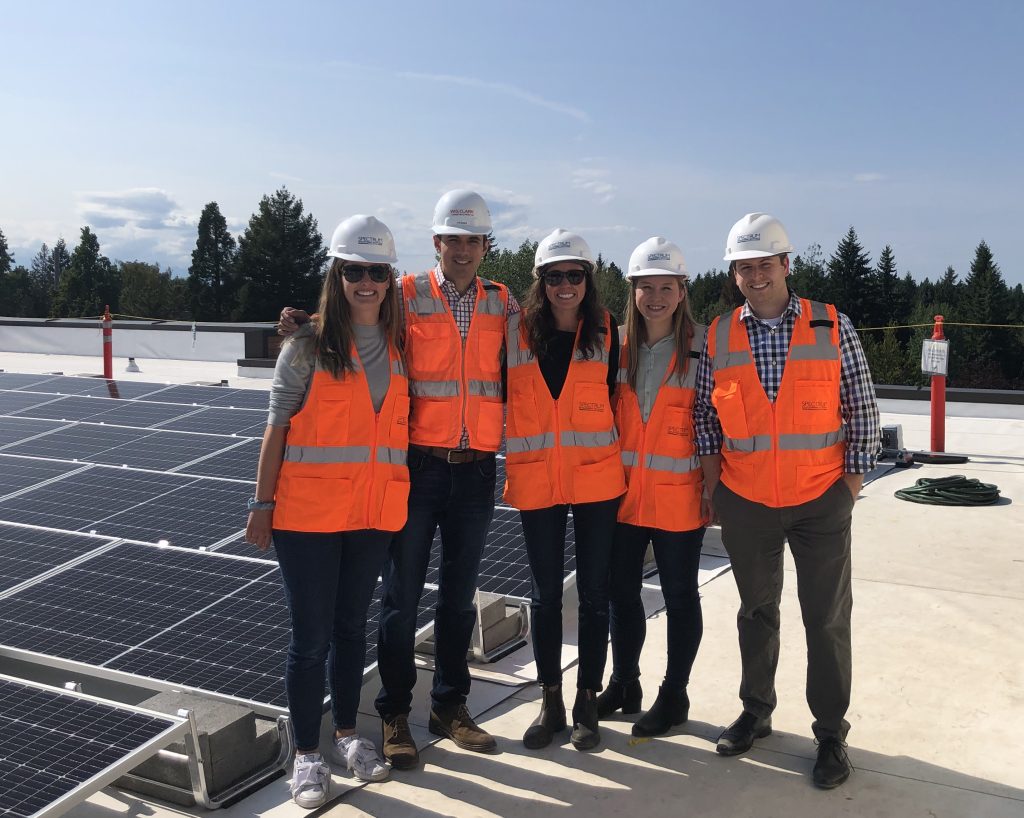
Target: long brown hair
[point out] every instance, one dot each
(332, 340)
(540, 321)
(636, 332)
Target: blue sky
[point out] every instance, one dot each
(618, 120)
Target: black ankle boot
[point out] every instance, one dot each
(585, 735)
(550, 721)
(626, 696)
(670, 709)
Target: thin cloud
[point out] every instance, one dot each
(146, 208)
(869, 177)
(502, 88)
(594, 181)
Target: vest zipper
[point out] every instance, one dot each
(558, 454)
(373, 468)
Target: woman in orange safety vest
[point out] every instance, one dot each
(331, 489)
(664, 502)
(562, 453)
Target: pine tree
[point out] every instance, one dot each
(885, 288)
(60, 260)
(947, 288)
(807, 275)
(612, 287)
(6, 259)
(211, 284)
(89, 283)
(984, 301)
(514, 269)
(850, 279)
(280, 259)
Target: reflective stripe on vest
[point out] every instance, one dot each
(344, 454)
(660, 462)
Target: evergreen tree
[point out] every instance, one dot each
(850, 279)
(947, 288)
(985, 301)
(712, 294)
(211, 284)
(887, 358)
(807, 275)
(514, 269)
(280, 258)
(612, 287)
(885, 290)
(149, 292)
(42, 266)
(89, 283)
(6, 259)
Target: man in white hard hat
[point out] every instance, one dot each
(784, 458)
(454, 331)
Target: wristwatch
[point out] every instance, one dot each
(256, 505)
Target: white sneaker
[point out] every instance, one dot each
(311, 781)
(360, 755)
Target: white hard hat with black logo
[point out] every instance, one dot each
(656, 257)
(363, 238)
(757, 235)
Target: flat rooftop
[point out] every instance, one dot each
(938, 698)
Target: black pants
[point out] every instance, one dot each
(678, 557)
(544, 532)
(819, 539)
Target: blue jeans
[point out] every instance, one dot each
(678, 557)
(544, 532)
(460, 499)
(328, 581)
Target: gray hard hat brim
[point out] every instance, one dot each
(364, 259)
(651, 271)
(459, 231)
(745, 254)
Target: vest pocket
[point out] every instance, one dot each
(523, 417)
(529, 485)
(599, 481)
(313, 503)
(430, 353)
(814, 406)
(591, 408)
(333, 408)
(394, 505)
(490, 421)
(678, 432)
(671, 507)
(727, 398)
(490, 343)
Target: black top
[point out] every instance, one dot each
(554, 365)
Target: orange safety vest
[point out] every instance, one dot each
(344, 465)
(454, 383)
(664, 481)
(792, 451)
(566, 450)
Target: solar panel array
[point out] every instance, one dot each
(52, 742)
(121, 536)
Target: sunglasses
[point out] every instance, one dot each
(378, 273)
(555, 277)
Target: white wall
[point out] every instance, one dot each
(134, 343)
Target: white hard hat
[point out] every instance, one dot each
(561, 245)
(757, 235)
(461, 212)
(656, 257)
(363, 238)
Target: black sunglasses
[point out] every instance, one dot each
(354, 272)
(555, 277)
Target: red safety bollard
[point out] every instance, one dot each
(938, 397)
(108, 344)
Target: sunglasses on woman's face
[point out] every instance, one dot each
(378, 273)
(555, 277)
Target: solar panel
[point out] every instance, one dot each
(244, 399)
(56, 745)
(85, 385)
(189, 395)
(19, 473)
(15, 430)
(12, 401)
(81, 501)
(20, 380)
(200, 513)
(136, 413)
(73, 407)
(240, 548)
(242, 422)
(238, 463)
(78, 441)
(28, 552)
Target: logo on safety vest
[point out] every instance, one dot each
(748, 237)
(590, 406)
(402, 420)
(677, 431)
(814, 405)
(376, 241)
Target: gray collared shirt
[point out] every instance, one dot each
(652, 367)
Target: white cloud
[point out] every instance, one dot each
(595, 181)
(502, 88)
(869, 177)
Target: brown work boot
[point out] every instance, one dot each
(454, 722)
(398, 745)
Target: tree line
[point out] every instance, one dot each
(280, 257)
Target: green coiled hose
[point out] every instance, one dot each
(955, 490)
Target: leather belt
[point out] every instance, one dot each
(453, 456)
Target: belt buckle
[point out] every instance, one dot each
(448, 457)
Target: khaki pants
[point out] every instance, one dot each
(819, 539)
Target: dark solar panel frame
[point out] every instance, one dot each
(57, 747)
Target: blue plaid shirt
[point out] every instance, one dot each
(770, 347)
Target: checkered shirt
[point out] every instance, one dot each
(770, 347)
